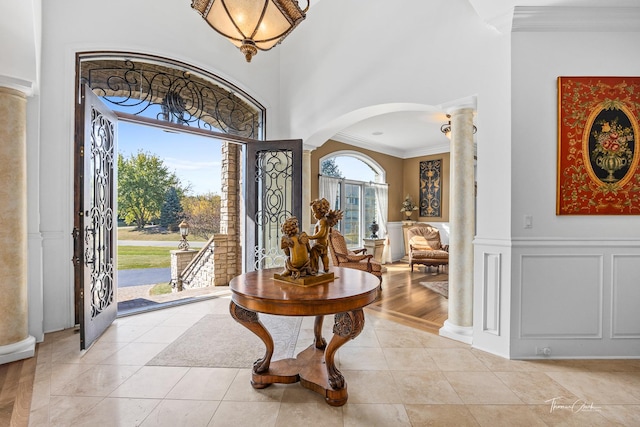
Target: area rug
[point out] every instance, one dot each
(218, 341)
(440, 287)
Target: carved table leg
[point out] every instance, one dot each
(347, 326)
(319, 342)
(250, 320)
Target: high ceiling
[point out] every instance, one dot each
(402, 134)
(412, 134)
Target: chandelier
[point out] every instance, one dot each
(446, 128)
(252, 24)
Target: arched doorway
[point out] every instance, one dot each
(175, 97)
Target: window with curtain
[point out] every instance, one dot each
(348, 181)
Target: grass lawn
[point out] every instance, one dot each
(161, 289)
(143, 257)
(153, 233)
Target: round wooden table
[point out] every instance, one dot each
(345, 296)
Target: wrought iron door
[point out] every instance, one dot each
(95, 232)
(274, 193)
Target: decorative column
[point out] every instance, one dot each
(305, 221)
(15, 341)
(459, 325)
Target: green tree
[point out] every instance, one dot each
(329, 167)
(143, 180)
(171, 213)
(203, 214)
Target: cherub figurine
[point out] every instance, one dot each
(296, 247)
(327, 218)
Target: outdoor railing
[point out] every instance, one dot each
(190, 271)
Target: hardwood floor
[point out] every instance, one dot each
(406, 301)
(403, 300)
(16, 388)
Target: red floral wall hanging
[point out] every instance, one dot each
(598, 146)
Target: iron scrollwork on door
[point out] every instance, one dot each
(99, 219)
(171, 92)
(274, 177)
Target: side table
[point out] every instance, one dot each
(258, 292)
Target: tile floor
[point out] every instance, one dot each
(397, 376)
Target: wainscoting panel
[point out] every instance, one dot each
(561, 296)
(574, 298)
(492, 301)
(625, 296)
(58, 293)
(491, 294)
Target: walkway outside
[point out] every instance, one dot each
(134, 284)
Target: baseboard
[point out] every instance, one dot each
(18, 351)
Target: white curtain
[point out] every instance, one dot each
(329, 189)
(382, 208)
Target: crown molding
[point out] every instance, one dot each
(502, 22)
(576, 19)
(383, 149)
(428, 151)
(367, 145)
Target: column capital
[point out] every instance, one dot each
(466, 111)
(458, 105)
(25, 87)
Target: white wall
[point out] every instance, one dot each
(19, 50)
(164, 28)
(440, 52)
(573, 276)
(347, 58)
(377, 55)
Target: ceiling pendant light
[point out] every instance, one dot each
(446, 128)
(252, 24)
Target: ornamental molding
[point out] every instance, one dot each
(576, 19)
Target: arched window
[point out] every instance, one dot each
(170, 91)
(356, 184)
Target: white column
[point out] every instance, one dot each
(459, 325)
(15, 341)
(305, 221)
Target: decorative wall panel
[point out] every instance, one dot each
(561, 296)
(491, 294)
(625, 296)
(598, 153)
(431, 188)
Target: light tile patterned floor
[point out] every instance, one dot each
(396, 376)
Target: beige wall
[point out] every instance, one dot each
(402, 176)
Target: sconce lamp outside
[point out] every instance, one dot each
(184, 232)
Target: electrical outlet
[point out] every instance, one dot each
(543, 351)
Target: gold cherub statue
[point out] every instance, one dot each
(296, 247)
(327, 218)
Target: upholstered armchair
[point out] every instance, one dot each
(425, 247)
(358, 259)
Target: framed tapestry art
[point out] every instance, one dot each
(598, 153)
(430, 188)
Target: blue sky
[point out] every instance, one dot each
(353, 168)
(194, 159)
